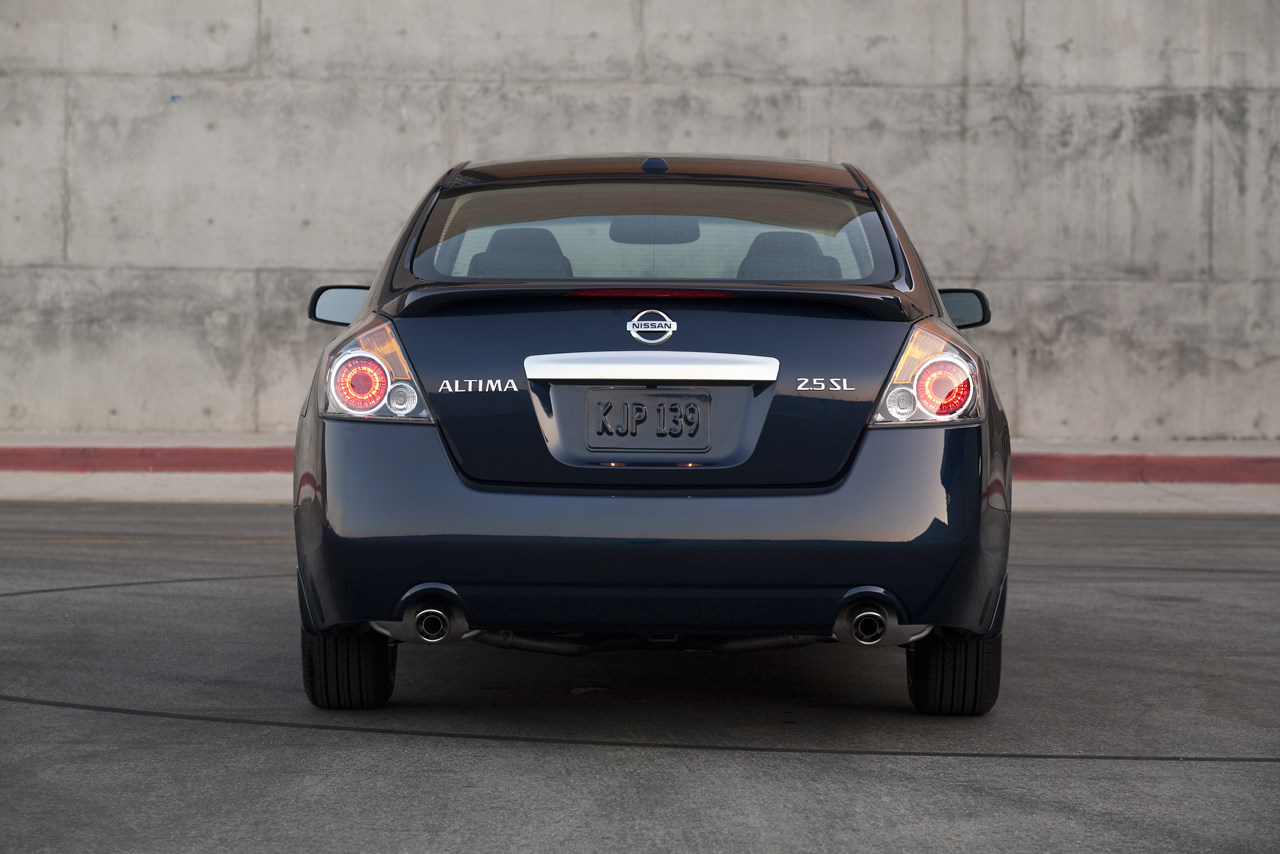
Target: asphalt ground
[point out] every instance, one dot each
(150, 701)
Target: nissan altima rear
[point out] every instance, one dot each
(679, 403)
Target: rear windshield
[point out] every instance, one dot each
(653, 231)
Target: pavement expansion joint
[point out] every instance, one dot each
(643, 745)
(147, 583)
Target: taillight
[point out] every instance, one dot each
(943, 387)
(359, 383)
(933, 381)
(370, 377)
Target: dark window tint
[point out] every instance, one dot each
(654, 231)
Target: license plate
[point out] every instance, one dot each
(648, 419)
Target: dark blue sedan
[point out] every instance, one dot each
(630, 401)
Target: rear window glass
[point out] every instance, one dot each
(653, 231)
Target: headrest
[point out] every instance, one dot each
(524, 240)
(785, 255)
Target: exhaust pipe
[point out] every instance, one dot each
(534, 643)
(868, 627)
(430, 621)
(432, 625)
(763, 642)
(869, 623)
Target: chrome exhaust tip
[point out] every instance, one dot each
(869, 622)
(428, 617)
(432, 625)
(868, 627)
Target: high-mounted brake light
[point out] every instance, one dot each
(934, 380)
(370, 377)
(650, 293)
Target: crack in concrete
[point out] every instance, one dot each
(644, 745)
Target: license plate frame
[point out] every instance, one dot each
(638, 419)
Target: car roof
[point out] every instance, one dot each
(650, 166)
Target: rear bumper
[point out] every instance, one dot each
(380, 512)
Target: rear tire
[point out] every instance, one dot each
(950, 675)
(348, 668)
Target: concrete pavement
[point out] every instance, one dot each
(150, 701)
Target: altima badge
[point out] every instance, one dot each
(651, 322)
(477, 385)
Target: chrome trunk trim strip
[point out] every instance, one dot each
(659, 365)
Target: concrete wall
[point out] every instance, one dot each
(176, 176)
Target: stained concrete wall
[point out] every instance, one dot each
(176, 176)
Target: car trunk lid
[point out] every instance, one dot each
(746, 387)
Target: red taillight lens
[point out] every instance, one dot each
(934, 381)
(360, 384)
(943, 387)
(370, 377)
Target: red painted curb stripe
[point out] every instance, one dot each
(147, 459)
(1146, 468)
(1079, 467)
